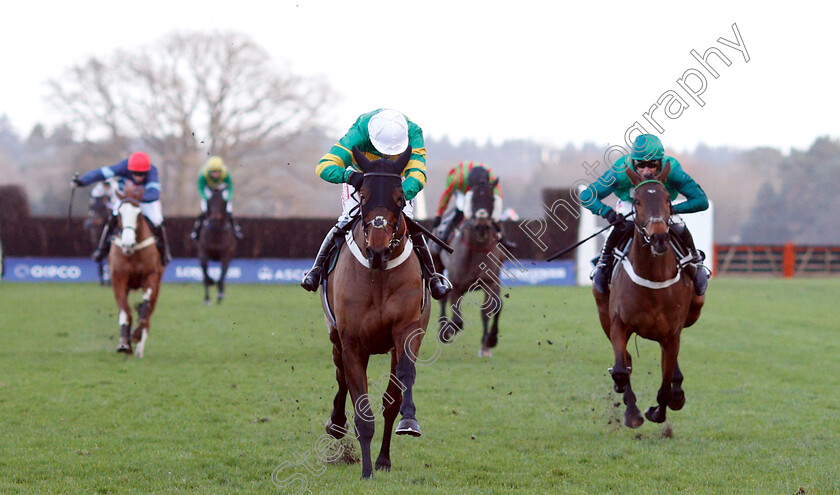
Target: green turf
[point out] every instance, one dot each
(228, 395)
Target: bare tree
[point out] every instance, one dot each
(189, 96)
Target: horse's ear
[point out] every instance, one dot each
(666, 170)
(634, 176)
(361, 159)
(494, 183)
(402, 161)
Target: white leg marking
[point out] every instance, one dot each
(141, 346)
(123, 318)
(148, 294)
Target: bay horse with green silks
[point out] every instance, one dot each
(135, 264)
(375, 302)
(651, 296)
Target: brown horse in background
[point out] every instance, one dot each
(375, 302)
(216, 242)
(651, 296)
(474, 263)
(135, 263)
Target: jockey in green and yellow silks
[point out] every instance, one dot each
(382, 133)
(214, 175)
(646, 157)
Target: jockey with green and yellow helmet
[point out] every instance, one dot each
(214, 175)
(646, 157)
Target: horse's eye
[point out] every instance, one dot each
(636, 202)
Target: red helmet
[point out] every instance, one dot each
(139, 162)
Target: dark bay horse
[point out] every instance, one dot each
(651, 296)
(475, 263)
(98, 216)
(216, 242)
(375, 302)
(135, 263)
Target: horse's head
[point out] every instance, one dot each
(382, 199)
(652, 208)
(480, 204)
(129, 213)
(217, 209)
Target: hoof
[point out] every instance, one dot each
(408, 426)
(677, 402)
(337, 432)
(383, 464)
(653, 414)
(207, 302)
(125, 348)
(446, 336)
(621, 379)
(485, 352)
(633, 420)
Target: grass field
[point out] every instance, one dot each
(228, 395)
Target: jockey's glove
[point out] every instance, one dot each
(613, 217)
(355, 179)
(436, 222)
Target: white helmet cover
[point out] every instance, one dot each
(388, 132)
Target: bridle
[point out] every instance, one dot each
(379, 222)
(643, 230)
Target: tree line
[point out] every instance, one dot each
(192, 95)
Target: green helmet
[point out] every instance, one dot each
(647, 147)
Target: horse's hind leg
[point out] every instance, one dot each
(337, 425)
(391, 400)
(670, 349)
(677, 393)
(492, 307)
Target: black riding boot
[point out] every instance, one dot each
(237, 230)
(500, 236)
(105, 240)
(438, 284)
(312, 279)
(196, 230)
(695, 266)
(162, 244)
(603, 268)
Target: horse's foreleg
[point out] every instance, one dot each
(670, 349)
(221, 283)
(337, 424)
(620, 372)
(493, 307)
(391, 400)
(677, 393)
(355, 373)
(120, 288)
(207, 280)
(406, 350)
(147, 307)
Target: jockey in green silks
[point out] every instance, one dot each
(646, 158)
(214, 175)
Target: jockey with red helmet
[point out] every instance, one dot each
(138, 169)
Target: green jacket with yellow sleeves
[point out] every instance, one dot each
(336, 164)
(615, 181)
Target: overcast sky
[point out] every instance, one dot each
(480, 70)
